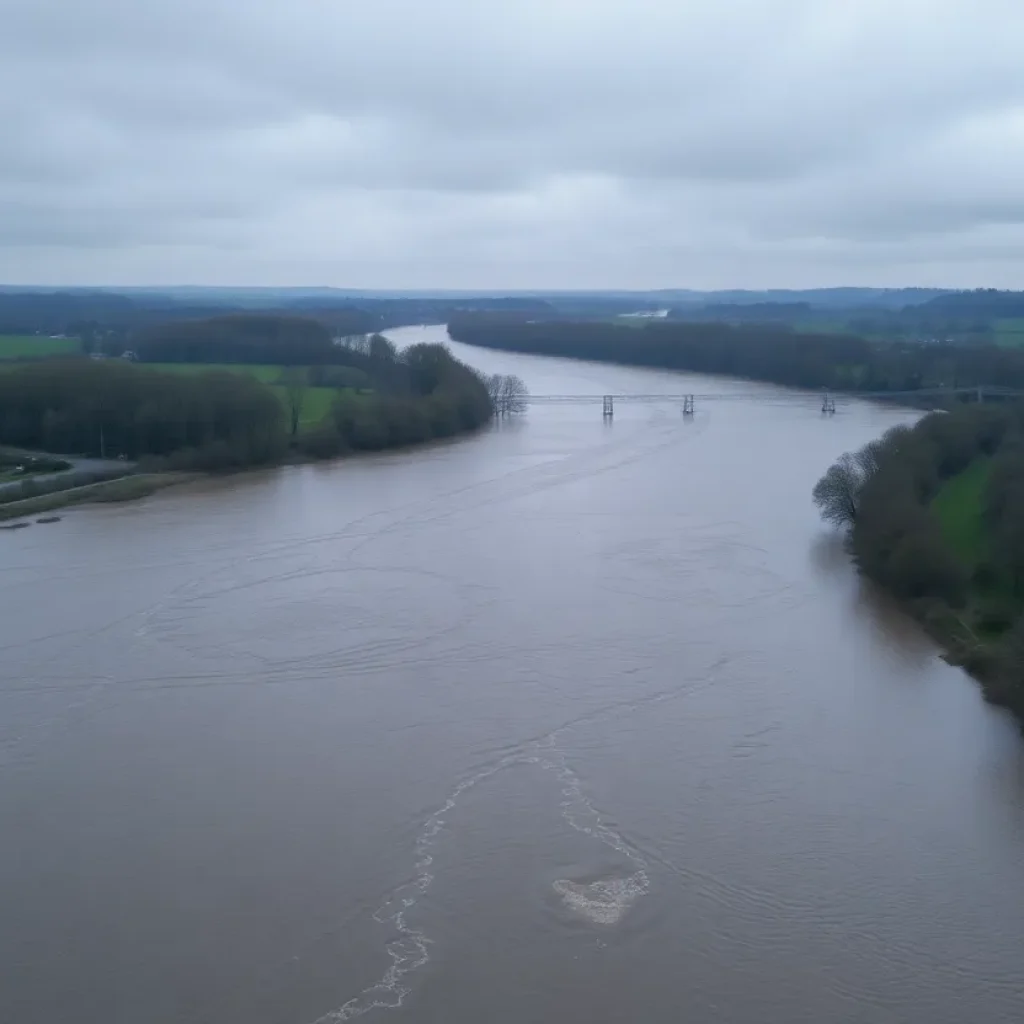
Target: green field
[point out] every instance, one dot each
(315, 406)
(1009, 333)
(959, 506)
(316, 401)
(19, 346)
(263, 373)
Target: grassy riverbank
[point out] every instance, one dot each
(34, 346)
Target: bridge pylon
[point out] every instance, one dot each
(608, 410)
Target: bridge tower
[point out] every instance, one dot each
(609, 407)
(828, 404)
(687, 405)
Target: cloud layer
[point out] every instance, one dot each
(491, 144)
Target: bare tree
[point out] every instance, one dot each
(354, 343)
(514, 393)
(296, 386)
(837, 493)
(508, 393)
(493, 383)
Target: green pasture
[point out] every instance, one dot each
(26, 346)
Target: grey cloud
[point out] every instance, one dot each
(490, 144)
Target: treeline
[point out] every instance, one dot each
(215, 420)
(917, 324)
(239, 338)
(935, 514)
(764, 352)
(426, 393)
(747, 312)
(110, 322)
(965, 317)
(981, 303)
(220, 420)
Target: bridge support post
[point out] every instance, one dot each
(687, 405)
(828, 404)
(609, 407)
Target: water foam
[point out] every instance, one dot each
(602, 902)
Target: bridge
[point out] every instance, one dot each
(688, 402)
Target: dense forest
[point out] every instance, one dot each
(219, 419)
(101, 317)
(935, 514)
(81, 406)
(423, 393)
(764, 352)
(241, 338)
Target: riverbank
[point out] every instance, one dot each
(768, 353)
(133, 486)
(933, 513)
(125, 488)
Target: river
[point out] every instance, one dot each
(567, 721)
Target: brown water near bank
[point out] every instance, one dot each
(566, 721)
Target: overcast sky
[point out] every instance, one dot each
(512, 143)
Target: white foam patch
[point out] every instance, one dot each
(605, 901)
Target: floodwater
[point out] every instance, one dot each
(568, 721)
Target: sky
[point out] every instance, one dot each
(512, 144)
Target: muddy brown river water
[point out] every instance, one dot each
(568, 721)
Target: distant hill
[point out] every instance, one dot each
(982, 304)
